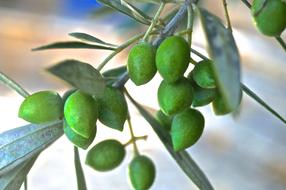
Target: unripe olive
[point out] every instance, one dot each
(106, 155)
(67, 94)
(141, 172)
(187, 127)
(269, 16)
(141, 64)
(172, 58)
(113, 108)
(41, 107)
(174, 98)
(164, 120)
(81, 113)
(203, 74)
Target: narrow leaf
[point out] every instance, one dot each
(89, 38)
(15, 178)
(128, 9)
(80, 75)
(225, 56)
(81, 185)
(72, 45)
(183, 159)
(21, 145)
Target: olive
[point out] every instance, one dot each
(164, 120)
(105, 155)
(141, 172)
(113, 108)
(203, 74)
(174, 98)
(141, 64)
(41, 107)
(187, 127)
(81, 113)
(172, 58)
(269, 16)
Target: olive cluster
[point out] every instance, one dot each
(80, 112)
(177, 94)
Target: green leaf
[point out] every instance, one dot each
(113, 75)
(81, 185)
(80, 75)
(23, 143)
(128, 9)
(15, 178)
(72, 45)
(183, 159)
(90, 38)
(225, 56)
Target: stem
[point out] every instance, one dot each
(246, 3)
(10, 83)
(81, 184)
(26, 183)
(136, 139)
(136, 151)
(190, 24)
(121, 80)
(154, 21)
(227, 15)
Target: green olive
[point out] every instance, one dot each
(141, 172)
(269, 16)
(113, 108)
(174, 98)
(164, 120)
(203, 74)
(41, 107)
(187, 127)
(141, 64)
(81, 113)
(77, 139)
(67, 94)
(106, 155)
(172, 58)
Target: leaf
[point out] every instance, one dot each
(80, 75)
(113, 75)
(72, 45)
(89, 38)
(15, 178)
(225, 56)
(128, 9)
(19, 145)
(183, 159)
(81, 185)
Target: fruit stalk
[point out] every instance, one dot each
(227, 15)
(136, 151)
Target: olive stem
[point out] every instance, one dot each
(136, 139)
(13, 85)
(26, 183)
(136, 151)
(154, 21)
(227, 15)
(190, 24)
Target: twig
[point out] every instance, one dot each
(227, 15)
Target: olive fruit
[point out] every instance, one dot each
(269, 16)
(141, 172)
(164, 120)
(141, 64)
(172, 58)
(187, 127)
(105, 155)
(81, 113)
(77, 139)
(67, 94)
(175, 97)
(113, 108)
(203, 74)
(41, 107)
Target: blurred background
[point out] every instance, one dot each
(242, 152)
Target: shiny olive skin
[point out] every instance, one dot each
(187, 128)
(141, 64)
(203, 74)
(269, 16)
(141, 172)
(172, 58)
(41, 107)
(81, 113)
(106, 155)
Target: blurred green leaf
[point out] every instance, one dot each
(102, 11)
(81, 185)
(15, 178)
(183, 159)
(89, 38)
(72, 45)
(225, 56)
(80, 75)
(23, 143)
(113, 75)
(128, 9)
